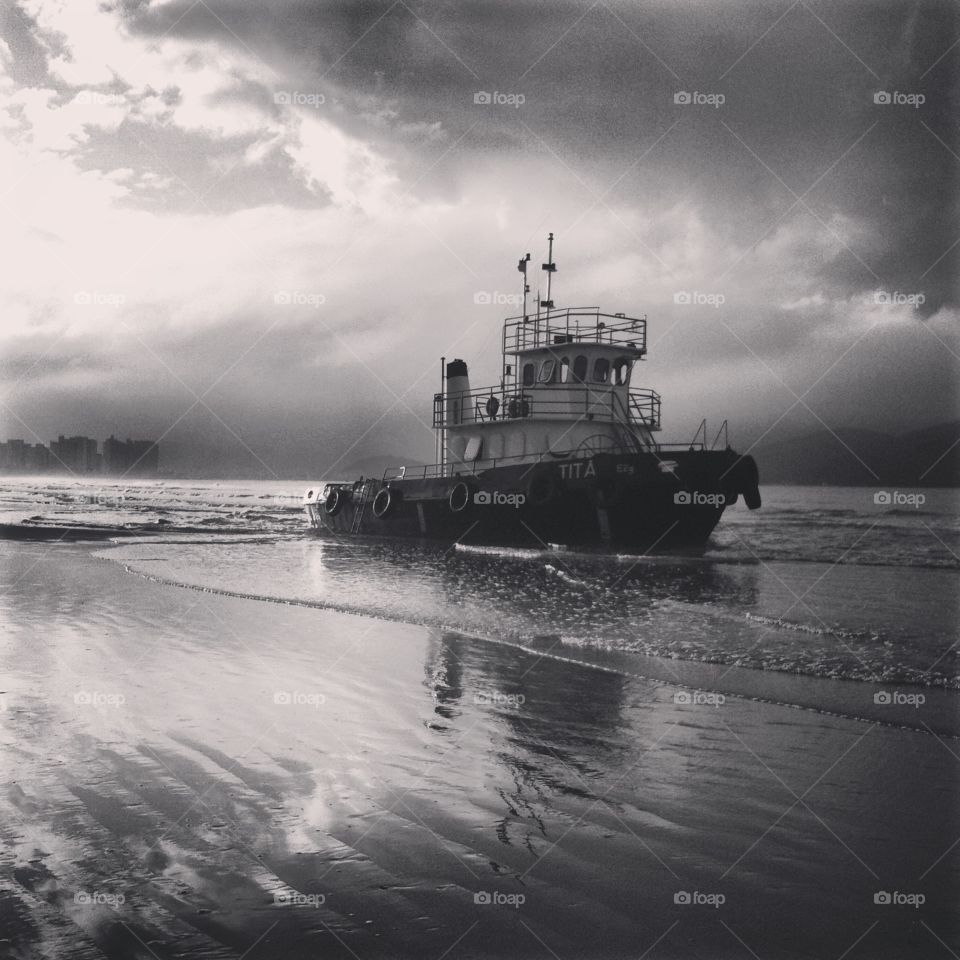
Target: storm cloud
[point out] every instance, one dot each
(290, 210)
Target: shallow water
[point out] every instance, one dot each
(805, 524)
(821, 582)
(859, 623)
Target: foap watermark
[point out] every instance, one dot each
(698, 99)
(483, 298)
(297, 698)
(894, 698)
(110, 498)
(494, 498)
(898, 99)
(485, 98)
(694, 498)
(99, 898)
(497, 899)
(897, 298)
(298, 98)
(699, 698)
(496, 698)
(97, 98)
(98, 699)
(685, 898)
(98, 298)
(894, 898)
(298, 298)
(896, 498)
(697, 298)
(293, 898)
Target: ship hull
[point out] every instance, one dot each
(638, 503)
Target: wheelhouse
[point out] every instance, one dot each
(566, 388)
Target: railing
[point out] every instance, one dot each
(699, 441)
(645, 408)
(573, 325)
(585, 451)
(461, 468)
(556, 402)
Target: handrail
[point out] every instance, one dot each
(573, 325)
(439, 471)
(725, 434)
(554, 402)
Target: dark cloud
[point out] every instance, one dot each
(197, 170)
(799, 118)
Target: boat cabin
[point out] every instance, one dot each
(565, 391)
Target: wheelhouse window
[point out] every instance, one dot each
(529, 374)
(564, 369)
(547, 370)
(621, 370)
(580, 369)
(601, 370)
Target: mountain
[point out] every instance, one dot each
(850, 457)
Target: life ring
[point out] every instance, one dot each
(518, 408)
(544, 488)
(384, 502)
(335, 500)
(493, 407)
(459, 498)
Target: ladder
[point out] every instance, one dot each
(358, 512)
(625, 427)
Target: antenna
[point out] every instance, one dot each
(551, 268)
(522, 267)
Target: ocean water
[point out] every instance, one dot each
(821, 582)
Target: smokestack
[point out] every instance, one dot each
(459, 408)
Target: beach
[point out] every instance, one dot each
(188, 773)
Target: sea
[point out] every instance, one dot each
(854, 584)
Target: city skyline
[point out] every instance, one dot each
(81, 455)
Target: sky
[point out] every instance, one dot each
(250, 228)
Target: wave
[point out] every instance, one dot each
(533, 646)
(814, 662)
(565, 577)
(820, 631)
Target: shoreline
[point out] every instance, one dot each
(841, 698)
(431, 779)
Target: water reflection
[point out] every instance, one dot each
(553, 728)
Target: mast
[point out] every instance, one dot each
(550, 268)
(522, 267)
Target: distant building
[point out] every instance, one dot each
(36, 458)
(76, 454)
(136, 457)
(79, 455)
(16, 456)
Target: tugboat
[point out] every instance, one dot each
(563, 451)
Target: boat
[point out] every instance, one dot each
(563, 451)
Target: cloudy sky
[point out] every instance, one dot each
(251, 227)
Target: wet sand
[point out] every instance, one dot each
(189, 774)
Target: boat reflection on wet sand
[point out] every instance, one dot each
(267, 779)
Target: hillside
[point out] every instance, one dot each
(847, 457)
